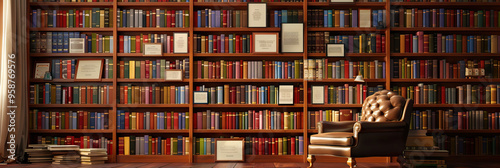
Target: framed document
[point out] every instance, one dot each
(292, 37)
(76, 45)
(318, 95)
(41, 68)
(285, 95)
(200, 97)
(365, 18)
(180, 43)
(334, 50)
(265, 43)
(152, 49)
(89, 69)
(338, 1)
(229, 149)
(173, 75)
(257, 15)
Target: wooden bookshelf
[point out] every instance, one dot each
(446, 29)
(71, 4)
(153, 29)
(248, 80)
(71, 54)
(445, 4)
(144, 131)
(57, 29)
(73, 131)
(238, 131)
(476, 131)
(153, 4)
(253, 158)
(446, 80)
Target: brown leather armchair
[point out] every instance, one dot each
(382, 131)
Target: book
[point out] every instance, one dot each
(152, 120)
(68, 119)
(59, 42)
(362, 43)
(151, 69)
(340, 17)
(248, 120)
(57, 94)
(248, 69)
(149, 145)
(153, 18)
(154, 94)
(444, 69)
(220, 18)
(247, 94)
(441, 17)
(255, 145)
(317, 69)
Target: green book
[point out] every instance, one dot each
(94, 17)
(132, 145)
(238, 22)
(186, 18)
(273, 94)
(129, 95)
(291, 120)
(95, 93)
(174, 146)
(71, 14)
(480, 18)
(106, 44)
(342, 68)
(285, 146)
(162, 19)
(332, 95)
(132, 44)
(431, 43)
(110, 69)
(126, 70)
(138, 69)
(110, 17)
(87, 18)
(162, 68)
(187, 120)
(488, 94)
(196, 146)
(76, 95)
(94, 45)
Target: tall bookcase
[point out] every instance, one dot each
(113, 133)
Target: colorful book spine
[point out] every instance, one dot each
(248, 120)
(222, 43)
(84, 142)
(57, 94)
(469, 146)
(362, 43)
(248, 94)
(313, 117)
(68, 67)
(152, 120)
(443, 69)
(347, 94)
(220, 18)
(341, 18)
(277, 17)
(460, 94)
(153, 94)
(290, 145)
(150, 145)
(135, 43)
(414, 17)
(454, 120)
(72, 18)
(248, 69)
(152, 18)
(151, 69)
(68, 120)
(317, 69)
(59, 42)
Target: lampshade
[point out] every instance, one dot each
(359, 78)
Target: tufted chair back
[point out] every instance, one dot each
(384, 106)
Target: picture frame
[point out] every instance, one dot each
(153, 49)
(285, 95)
(265, 43)
(257, 14)
(229, 149)
(200, 97)
(40, 69)
(181, 45)
(173, 75)
(89, 69)
(365, 18)
(318, 94)
(341, 1)
(77, 45)
(292, 37)
(335, 50)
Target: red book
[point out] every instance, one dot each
(226, 44)
(346, 68)
(154, 19)
(58, 116)
(237, 43)
(383, 43)
(487, 20)
(77, 18)
(147, 19)
(214, 38)
(495, 19)
(172, 19)
(407, 43)
(66, 119)
(147, 69)
(261, 146)
(127, 120)
(140, 120)
(224, 18)
(121, 46)
(172, 45)
(292, 150)
(64, 17)
(471, 18)
(85, 119)
(176, 120)
(138, 44)
(169, 120)
(168, 146)
(378, 43)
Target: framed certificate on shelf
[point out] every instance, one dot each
(318, 94)
(76, 45)
(41, 68)
(173, 75)
(89, 69)
(365, 18)
(257, 14)
(292, 37)
(153, 49)
(229, 149)
(265, 43)
(181, 43)
(335, 50)
(200, 97)
(285, 95)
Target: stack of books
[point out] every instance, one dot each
(64, 154)
(421, 151)
(38, 153)
(93, 156)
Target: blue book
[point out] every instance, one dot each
(54, 42)
(380, 18)
(118, 119)
(220, 95)
(415, 43)
(280, 18)
(206, 18)
(183, 121)
(154, 74)
(210, 43)
(146, 144)
(383, 70)
(73, 63)
(330, 24)
(47, 93)
(489, 45)
(199, 18)
(60, 38)
(92, 120)
(325, 18)
(54, 18)
(342, 13)
(284, 17)
(34, 20)
(354, 18)
(179, 145)
(374, 18)
(276, 18)
(124, 18)
(230, 43)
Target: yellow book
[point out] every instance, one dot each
(132, 70)
(101, 19)
(493, 94)
(126, 147)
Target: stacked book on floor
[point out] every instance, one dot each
(93, 156)
(421, 152)
(64, 154)
(38, 153)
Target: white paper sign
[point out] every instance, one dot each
(318, 95)
(285, 94)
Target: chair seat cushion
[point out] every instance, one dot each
(333, 139)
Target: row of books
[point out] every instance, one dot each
(71, 0)
(151, 145)
(343, 69)
(414, 17)
(248, 1)
(222, 43)
(461, 94)
(70, 18)
(135, 43)
(353, 1)
(445, 1)
(442, 43)
(55, 120)
(248, 120)
(65, 69)
(454, 120)
(151, 69)
(153, 0)
(154, 94)
(361, 43)
(152, 18)
(151, 120)
(220, 18)
(57, 94)
(285, 16)
(469, 145)
(248, 94)
(291, 145)
(346, 94)
(83, 141)
(58, 42)
(313, 117)
(441, 69)
(342, 18)
(248, 69)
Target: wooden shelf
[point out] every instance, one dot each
(107, 29)
(153, 105)
(477, 131)
(457, 105)
(235, 29)
(72, 131)
(143, 131)
(147, 81)
(140, 55)
(248, 80)
(346, 81)
(50, 55)
(335, 105)
(73, 4)
(369, 55)
(357, 4)
(154, 4)
(247, 106)
(152, 29)
(446, 80)
(248, 55)
(477, 55)
(446, 4)
(151, 158)
(451, 29)
(313, 131)
(345, 29)
(68, 81)
(254, 158)
(70, 105)
(247, 131)
(244, 4)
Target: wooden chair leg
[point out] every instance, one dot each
(311, 159)
(351, 162)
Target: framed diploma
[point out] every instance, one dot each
(257, 14)
(89, 69)
(265, 43)
(318, 95)
(180, 43)
(229, 149)
(200, 97)
(334, 50)
(292, 37)
(76, 45)
(152, 49)
(365, 18)
(173, 75)
(285, 95)
(41, 68)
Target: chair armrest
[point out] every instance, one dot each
(371, 127)
(327, 126)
